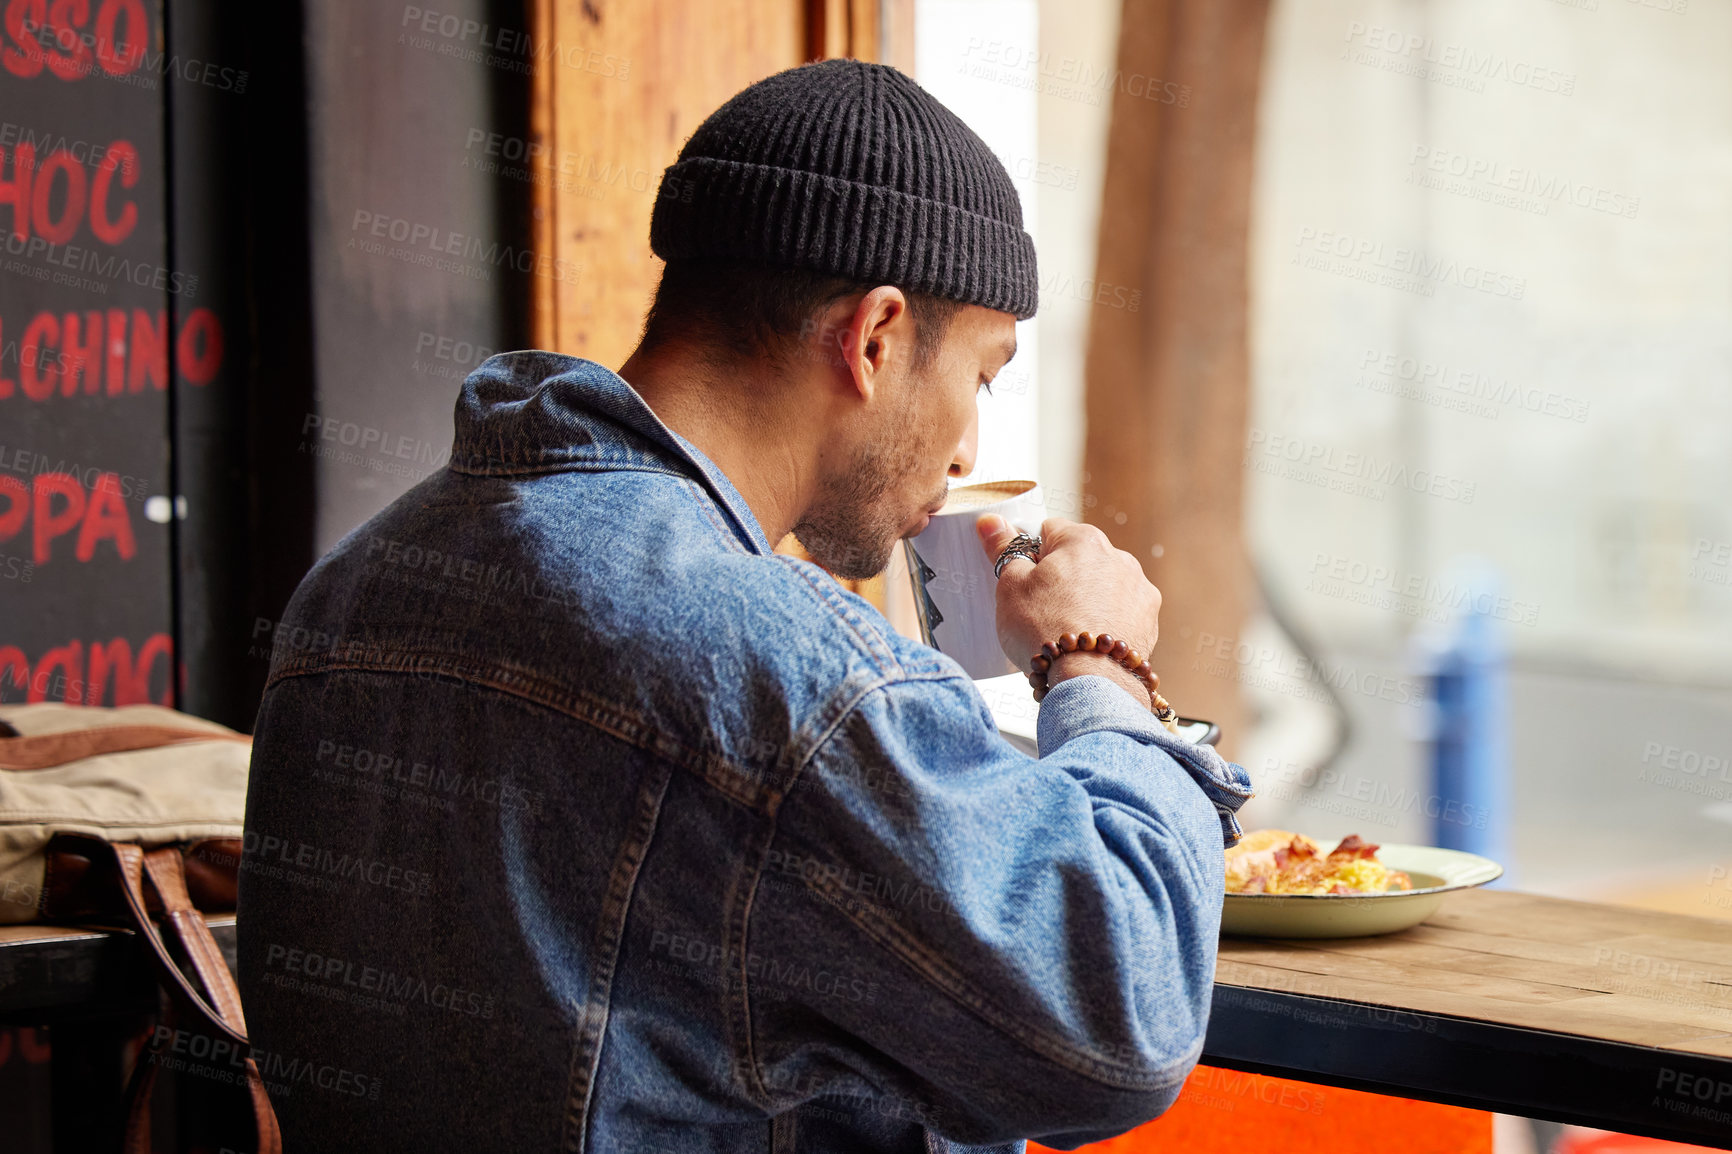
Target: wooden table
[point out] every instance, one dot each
(1600, 1016)
(1596, 1015)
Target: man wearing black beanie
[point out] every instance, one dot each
(586, 822)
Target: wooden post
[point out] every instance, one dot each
(543, 170)
(1167, 379)
(618, 89)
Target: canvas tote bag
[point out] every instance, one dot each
(131, 817)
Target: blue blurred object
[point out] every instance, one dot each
(1465, 668)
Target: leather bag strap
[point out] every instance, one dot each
(167, 873)
(167, 877)
(48, 750)
(130, 860)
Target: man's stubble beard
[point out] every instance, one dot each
(852, 528)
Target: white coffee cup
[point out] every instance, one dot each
(955, 592)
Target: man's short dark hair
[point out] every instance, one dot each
(754, 310)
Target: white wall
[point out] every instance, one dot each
(973, 55)
(1007, 68)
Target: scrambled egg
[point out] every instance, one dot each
(1274, 861)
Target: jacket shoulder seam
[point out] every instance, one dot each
(581, 705)
(831, 596)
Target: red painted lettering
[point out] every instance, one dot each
(149, 352)
(80, 359)
(16, 191)
(120, 56)
(23, 57)
(123, 156)
(106, 517)
(69, 57)
(93, 353)
(14, 666)
(62, 230)
(61, 673)
(56, 504)
(38, 371)
(17, 499)
(116, 353)
(46, 523)
(199, 349)
(156, 645)
(32, 190)
(71, 686)
(115, 658)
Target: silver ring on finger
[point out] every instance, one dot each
(1022, 545)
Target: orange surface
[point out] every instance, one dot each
(1226, 1111)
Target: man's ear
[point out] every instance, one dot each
(878, 336)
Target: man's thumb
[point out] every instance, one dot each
(995, 533)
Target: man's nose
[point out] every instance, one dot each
(962, 463)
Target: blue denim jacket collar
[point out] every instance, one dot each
(568, 413)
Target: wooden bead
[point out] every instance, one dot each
(1089, 642)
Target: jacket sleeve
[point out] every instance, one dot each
(1024, 947)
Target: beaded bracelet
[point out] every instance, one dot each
(1107, 645)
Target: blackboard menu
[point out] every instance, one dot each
(99, 331)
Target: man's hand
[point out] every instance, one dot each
(1080, 583)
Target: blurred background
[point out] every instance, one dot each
(1392, 335)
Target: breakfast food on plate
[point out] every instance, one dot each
(1278, 861)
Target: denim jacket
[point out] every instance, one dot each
(581, 821)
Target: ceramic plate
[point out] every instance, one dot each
(1434, 872)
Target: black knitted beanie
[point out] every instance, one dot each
(851, 169)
